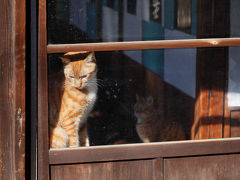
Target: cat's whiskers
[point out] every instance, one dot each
(100, 80)
(95, 82)
(93, 85)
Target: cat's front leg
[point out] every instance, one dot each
(72, 132)
(58, 138)
(73, 140)
(83, 135)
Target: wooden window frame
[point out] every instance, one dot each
(46, 157)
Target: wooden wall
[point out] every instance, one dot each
(202, 167)
(141, 170)
(209, 159)
(12, 89)
(187, 168)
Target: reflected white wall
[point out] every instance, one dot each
(180, 65)
(234, 77)
(109, 24)
(132, 29)
(78, 14)
(234, 58)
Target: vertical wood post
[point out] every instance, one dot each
(12, 89)
(212, 63)
(42, 139)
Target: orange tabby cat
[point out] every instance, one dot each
(72, 94)
(151, 127)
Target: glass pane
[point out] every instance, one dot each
(234, 74)
(74, 21)
(234, 21)
(148, 95)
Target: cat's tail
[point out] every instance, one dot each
(58, 138)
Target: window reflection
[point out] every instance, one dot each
(166, 95)
(73, 21)
(137, 102)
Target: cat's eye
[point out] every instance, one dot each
(71, 76)
(83, 76)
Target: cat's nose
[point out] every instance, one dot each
(79, 84)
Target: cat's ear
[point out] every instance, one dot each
(65, 61)
(90, 58)
(150, 100)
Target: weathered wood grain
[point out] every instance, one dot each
(205, 167)
(127, 170)
(12, 89)
(158, 169)
(43, 167)
(20, 87)
(135, 45)
(235, 123)
(6, 91)
(144, 151)
(212, 64)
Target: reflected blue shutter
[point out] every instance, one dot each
(169, 14)
(194, 18)
(91, 20)
(153, 59)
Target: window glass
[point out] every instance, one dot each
(234, 74)
(154, 95)
(234, 64)
(74, 21)
(234, 14)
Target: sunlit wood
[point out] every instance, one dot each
(137, 45)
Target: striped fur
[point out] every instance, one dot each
(72, 94)
(151, 127)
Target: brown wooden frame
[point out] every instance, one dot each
(48, 157)
(12, 89)
(42, 143)
(144, 151)
(138, 45)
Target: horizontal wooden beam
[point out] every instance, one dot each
(144, 151)
(138, 45)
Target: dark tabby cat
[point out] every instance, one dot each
(151, 127)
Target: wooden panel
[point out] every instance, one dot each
(205, 167)
(200, 129)
(146, 151)
(6, 91)
(19, 87)
(140, 170)
(211, 71)
(217, 91)
(158, 169)
(43, 168)
(209, 108)
(31, 128)
(60, 48)
(227, 111)
(235, 123)
(12, 90)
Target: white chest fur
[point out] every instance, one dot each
(92, 96)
